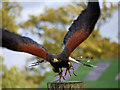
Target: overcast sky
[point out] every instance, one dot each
(109, 30)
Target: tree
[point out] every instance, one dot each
(14, 78)
(10, 11)
(53, 24)
(51, 27)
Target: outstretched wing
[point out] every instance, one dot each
(81, 27)
(19, 43)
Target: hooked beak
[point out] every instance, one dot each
(79, 62)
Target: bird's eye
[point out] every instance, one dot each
(55, 59)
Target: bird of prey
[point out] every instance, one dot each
(79, 31)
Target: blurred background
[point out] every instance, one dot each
(47, 23)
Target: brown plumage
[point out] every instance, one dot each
(80, 29)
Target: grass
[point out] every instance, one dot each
(107, 79)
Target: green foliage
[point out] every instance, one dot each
(15, 78)
(9, 13)
(54, 22)
(97, 47)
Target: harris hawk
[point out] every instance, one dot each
(79, 31)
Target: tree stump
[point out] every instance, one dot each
(70, 85)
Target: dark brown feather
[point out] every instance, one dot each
(81, 27)
(19, 43)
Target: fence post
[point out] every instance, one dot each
(71, 85)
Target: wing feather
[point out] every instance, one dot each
(81, 27)
(19, 43)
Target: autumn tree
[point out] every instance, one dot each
(10, 11)
(14, 78)
(51, 27)
(54, 23)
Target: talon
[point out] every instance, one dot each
(59, 78)
(68, 69)
(65, 72)
(60, 75)
(69, 72)
(63, 77)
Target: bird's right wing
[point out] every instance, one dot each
(81, 28)
(19, 43)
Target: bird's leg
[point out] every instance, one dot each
(60, 75)
(68, 69)
(66, 72)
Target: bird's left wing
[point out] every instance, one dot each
(81, 27)
(19, 43)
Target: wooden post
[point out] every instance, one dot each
(70, 85)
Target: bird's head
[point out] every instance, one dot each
(60, 62)
(65, 63)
